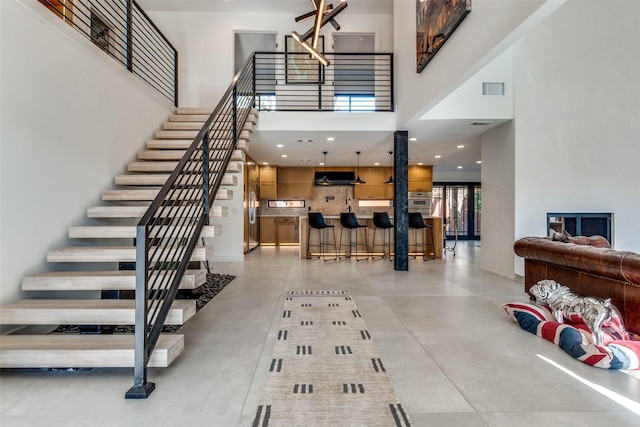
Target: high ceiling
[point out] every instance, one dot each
(455, 141)
(262, 6)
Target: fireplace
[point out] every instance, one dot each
(581, 223)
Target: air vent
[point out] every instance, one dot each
(305, 141)
(493, 88)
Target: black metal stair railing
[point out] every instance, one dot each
(124, 32)
(168, 233)
(353, 82)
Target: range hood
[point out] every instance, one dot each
(337, 177)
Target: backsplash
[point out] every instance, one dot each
(330, 200)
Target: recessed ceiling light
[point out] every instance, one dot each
(438, 156)
(376, 164)
(321, 163)
(478, 161)
(460, 146)
(284, 155)
(279, 145)
(265, 163)
(420, 164)
(413, 139)
(330, 138)
(459, 167)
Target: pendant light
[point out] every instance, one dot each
(390, 180)
(358, 181)
(325, 180)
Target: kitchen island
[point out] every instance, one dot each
(435, 222)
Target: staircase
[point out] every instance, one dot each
(103, 244)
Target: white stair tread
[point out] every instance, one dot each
(154, 154)
(85, 312)
(148, 166)
(191, 134)
(83, 351)
(159, 179)
(99, 280)
(148, 194)
(182, 144)
(138, 211)
(189, 117)
(130, 231)
(183, 125)
(195, 121)
(176, 134)
(117, 254)
(169, 166)
(194, 110)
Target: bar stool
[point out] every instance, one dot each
(416, 222)
(349, 221)
(382, 222)
(317, 222)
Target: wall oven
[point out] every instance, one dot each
(420, 202)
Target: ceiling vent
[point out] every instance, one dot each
(305, 141)
(493, 88)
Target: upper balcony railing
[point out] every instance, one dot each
(353, 82)
(124, 31)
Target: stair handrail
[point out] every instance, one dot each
(182, 205)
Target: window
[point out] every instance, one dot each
(352, 103)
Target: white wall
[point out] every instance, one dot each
(228, 247)
(490, 28)
(578, 120)
(71, 118)
(205, 41)
(498, 199)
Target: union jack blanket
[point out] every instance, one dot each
(575, 338)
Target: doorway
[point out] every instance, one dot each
(246, 43)
(354, 75)
(460, 206)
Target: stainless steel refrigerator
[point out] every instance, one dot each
(251, 205)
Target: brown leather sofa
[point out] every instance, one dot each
(588, 269)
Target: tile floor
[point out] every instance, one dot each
(454, 357)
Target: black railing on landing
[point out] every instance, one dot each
(353, 82)
(168, 233)
(124, 31)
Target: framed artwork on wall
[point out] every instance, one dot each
(436, 20)
(300, 67)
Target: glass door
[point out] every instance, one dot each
(459, 205)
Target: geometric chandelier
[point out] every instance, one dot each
(323, 15)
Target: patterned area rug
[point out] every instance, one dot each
(326, 369)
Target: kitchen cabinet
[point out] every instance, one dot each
(268, 182)
(374, 187)
(420, 178)
(287, 230)
(279, 230)
(296, 183)
(268, 230)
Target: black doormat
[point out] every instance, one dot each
(214, 284)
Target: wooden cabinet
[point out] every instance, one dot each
(420, 178)
(268, 182)
(280, 230)
(268, 230)
(295, 183)
(287, 230)
(375, 188)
